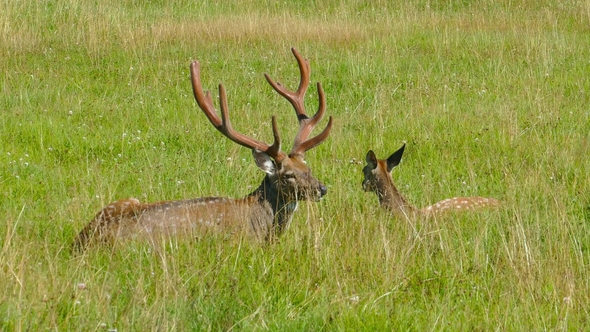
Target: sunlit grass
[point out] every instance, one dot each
(490, 97)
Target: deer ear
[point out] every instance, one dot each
(371, 159)
(264, 161)
(395, 158)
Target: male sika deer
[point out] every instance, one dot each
(264, 214)
(378, 180)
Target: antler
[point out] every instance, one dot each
(296, 98)
(224, 125)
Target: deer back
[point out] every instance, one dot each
(130, 219)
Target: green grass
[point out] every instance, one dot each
(492, 98)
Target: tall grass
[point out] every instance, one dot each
(491, 98)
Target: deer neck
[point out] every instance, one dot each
(269, 196)
(390, 198)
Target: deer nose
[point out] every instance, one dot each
(323, 190)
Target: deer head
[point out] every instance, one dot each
(378, 172)
(288, 173)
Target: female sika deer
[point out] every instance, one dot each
(378, 180)
(265, 213)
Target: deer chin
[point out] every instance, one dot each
(309, 195)
(320, 193)
(366, 186)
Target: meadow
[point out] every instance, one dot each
(492, 99)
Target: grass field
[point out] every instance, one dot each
(491, 97)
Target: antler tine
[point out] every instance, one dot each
(226, 128)
(204, 100)
(313, 142)
(308, 124)
(296, 98)
(223, 125)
